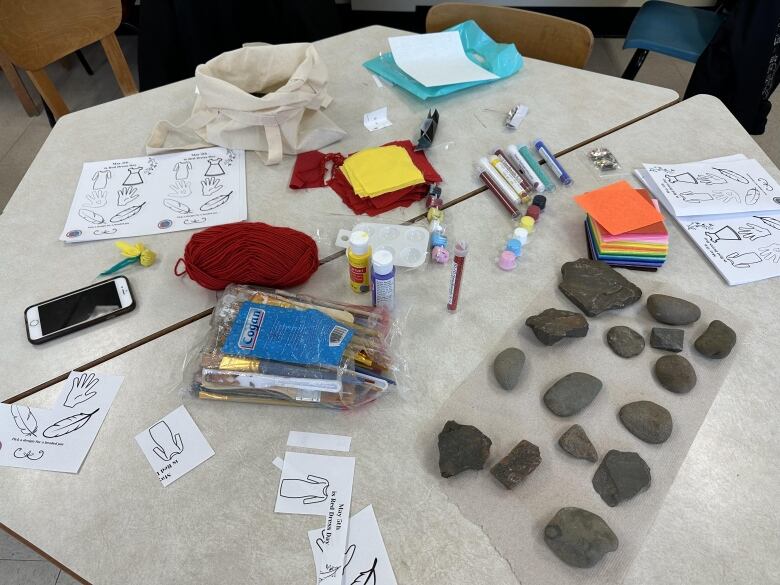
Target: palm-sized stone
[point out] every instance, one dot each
(647, 420)
(672, 310)
(675, 373)
(461, 447)
(579, 538)
(667, 339)
(625, 342)
(577, 444)
(596, 287)
(507, 367)
(517, 465)
(717, 341)
(621, 476)
(552, 325)
(572, 393)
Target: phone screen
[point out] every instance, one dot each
(82, 306)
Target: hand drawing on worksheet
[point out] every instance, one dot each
(149, 195)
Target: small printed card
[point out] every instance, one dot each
(174, 446)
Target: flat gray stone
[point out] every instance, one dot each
(517, 465)
(577, 444)
(579, 538)
(667, 339)
(647, 420)
(572, 393)
(717, 341)
(672, 310)
(552, 325)
(507, 367)
(596, 287)
(625, 342)
(621, 476)
(461, 447)
(675, 373)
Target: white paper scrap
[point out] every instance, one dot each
(365, 558)
(174, 446)
(130, 197)
(60, 438)
(376, 120)
(278, 462)
(436, 59)
(319, 441)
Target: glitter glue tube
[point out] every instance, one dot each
(518, 173)
(499, 181)
(529, 158)
(555, 166)
(510, 176)
(456, 276)
(522, 167)
(507, 203)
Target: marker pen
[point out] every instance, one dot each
(556, 167)
(530, 160)
(498, 180)
(524, 168)
(527, 187)
(514, 211)
(456, 276)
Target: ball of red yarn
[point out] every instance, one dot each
(249, 253)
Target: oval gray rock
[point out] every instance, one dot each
(621, 476)
(577, 444)
(675, 373)
(717, 341)
(625, 342)
(579, 538)
(647, 420)
(672, 310)
(461, 447)
(507, 367)
(572, 393)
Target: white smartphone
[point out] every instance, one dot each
(78, 309)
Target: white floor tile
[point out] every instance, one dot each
(28, 573)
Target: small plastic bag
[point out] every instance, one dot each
(604, 162)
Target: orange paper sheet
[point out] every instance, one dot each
(619, 208)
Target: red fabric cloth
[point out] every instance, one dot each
(310, 167)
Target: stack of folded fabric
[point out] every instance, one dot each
(370, 181)
(624, 227)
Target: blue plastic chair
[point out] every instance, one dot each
(670, 29)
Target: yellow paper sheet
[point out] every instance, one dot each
(375, 171)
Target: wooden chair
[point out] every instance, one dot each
(18, 86)
(539, 36)
(35, 33)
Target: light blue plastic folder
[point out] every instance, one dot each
(500, 59)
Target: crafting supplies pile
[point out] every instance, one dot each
(334, 356)
(249, 253)
(370, 181)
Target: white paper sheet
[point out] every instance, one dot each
(365, 560)
(730, 186)
(124, 198)
(376, 120)
(174, 446)
(57, 439)
(319, 441)
(436, 59)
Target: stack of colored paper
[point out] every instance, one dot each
(625, 227)
(375, 171)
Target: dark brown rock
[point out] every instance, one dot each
(517, 465)
(672, 310)
(647, 420)
(596, 287)
(577, 444)
(552, 325)
(625, 342)
(717, 341)
(675, 373)
(621, 476)
(579, 538)
(461, 447)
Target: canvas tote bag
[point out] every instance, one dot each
(263, 98)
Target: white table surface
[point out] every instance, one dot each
(567, 106)
(717, 525)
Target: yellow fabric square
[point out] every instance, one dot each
(376, 171)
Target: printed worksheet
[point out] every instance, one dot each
(57, 439)
(124, 198)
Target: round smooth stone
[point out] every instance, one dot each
(508, 366)
(625, 342)
(672, 310)
(675, 373)
(647, 420)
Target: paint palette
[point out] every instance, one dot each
(408, 244)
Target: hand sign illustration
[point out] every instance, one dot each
(81, 389)
(180, 189)
(727, 196)
(770, 252)
(97, 198)
(125, 195)
(210, 186)
(311, 490)
(752, 231)
(710, 179)
(168, 444)
(743, 260)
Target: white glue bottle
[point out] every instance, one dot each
(383, 279)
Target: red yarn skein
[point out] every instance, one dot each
(249, 253)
